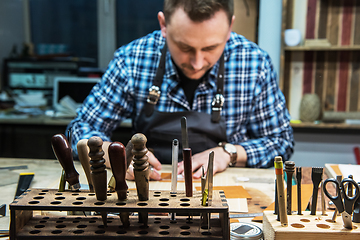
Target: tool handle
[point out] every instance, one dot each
(187, 171)
(349, 201)
(62, 151)
(337, 200)
(98, 172)
(175, 155)
(83, 153)
(118, 166)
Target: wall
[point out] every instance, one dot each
(11, 27)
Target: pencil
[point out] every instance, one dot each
(278, 164)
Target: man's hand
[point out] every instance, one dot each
(221, 160)
(155, 166)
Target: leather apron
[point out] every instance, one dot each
(161, 128)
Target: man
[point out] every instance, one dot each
(222, 83)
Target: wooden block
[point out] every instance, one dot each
(308, 227)
(306, 190)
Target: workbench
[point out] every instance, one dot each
(258, 183)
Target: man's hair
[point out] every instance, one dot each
(198, 10)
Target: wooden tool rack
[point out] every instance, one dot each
(25, 224)
(307, 227)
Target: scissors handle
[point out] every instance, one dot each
(350, 201)
(337, 199)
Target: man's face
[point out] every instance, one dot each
(195, 46)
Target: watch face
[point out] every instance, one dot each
(230, 148)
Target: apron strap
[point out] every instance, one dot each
(154, 91)
(218, 101)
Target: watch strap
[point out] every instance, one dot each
(233, 155)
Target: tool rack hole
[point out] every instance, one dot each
(143, 232)
(78, 218)
(101, 226)
(173, 221)
(164, 227)
(78, 231)
(94, 218)
(321, 225)
(55, 202)
(222, 195)
(62, 218)
(206, 233)
(76, 221)
(164, 199)
(75, 194)
(304, 220)
(157, 195)
(59, 193)
(42, 221)
(164, 233)
(184, 204)
(108, 194)
(45, 218)
(59, 221)
(185, 227)
(172, 195)
(35, 232)
(91, 194)
(77, 203)
(59, 198)
(121, 204)
(142, 204)
(39, 197)
(42, 193)
(34, 202)
(185, 200)
(297, 225)
(157, 218)
(80, 198)
(92, 221)
(99, 203)
(81, 226)
(185, 233)
(60, 226)
(157, 192)
(44, 190)
(163, 204)
(56, 232)
(39, 226)
(100, 231)
(121, 232)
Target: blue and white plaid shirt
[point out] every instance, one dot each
(254, 108)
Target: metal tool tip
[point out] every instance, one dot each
(75, 187)
(175, 142)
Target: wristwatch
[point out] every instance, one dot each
(231, 150)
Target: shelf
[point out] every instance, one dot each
(339, 128)
(319, 48)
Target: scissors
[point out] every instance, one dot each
(342, 201)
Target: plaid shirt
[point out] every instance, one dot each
(254, 108)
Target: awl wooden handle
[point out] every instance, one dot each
(63, 153)
(118, 166)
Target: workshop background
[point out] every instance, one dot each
(85, 33)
